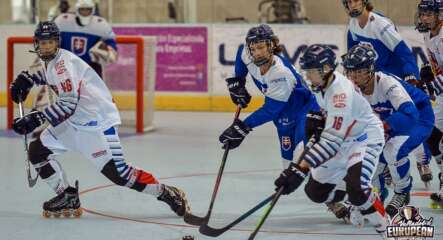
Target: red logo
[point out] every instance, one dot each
(99, 154)
(339, 100)
(60, 67)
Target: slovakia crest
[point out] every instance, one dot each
(286, 143)
(78, 45)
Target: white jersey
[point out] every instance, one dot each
(349, 115)
(434, 48)
(83, 100)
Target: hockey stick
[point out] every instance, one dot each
(31, 181)
(189, 218)
(215, 232)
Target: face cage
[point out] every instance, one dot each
(370, 72)
(311, 86)
(263, 61)
(423, 27)
(42, 57)
(355, 13)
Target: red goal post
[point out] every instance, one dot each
(143, 115)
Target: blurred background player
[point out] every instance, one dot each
(88, 36)
(83, 119)
(61, 7)
(287, 100)
(348, 148)
(407, 117)
(429, 23)
(393, 56)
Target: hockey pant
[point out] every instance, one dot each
(102, 148)
(349, 173)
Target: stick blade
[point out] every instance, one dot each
(211, 232)
(191, 219)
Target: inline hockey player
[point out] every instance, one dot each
(344, 158)
(287, 100)
(407, 117)
(393, 56)
(429, 23)
(83, 119)
(88, 36)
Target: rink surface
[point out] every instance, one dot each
(183, 151)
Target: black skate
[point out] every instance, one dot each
(398, 200)
(66, 203)
(339, 210)
(176, 199)
(437, 197)
(425, 174)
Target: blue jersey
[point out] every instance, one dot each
(393, 55)
(79, 39)
(399, 104)
(285, 95)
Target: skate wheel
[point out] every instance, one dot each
(78, 212)
(66, 213)
(46, 214)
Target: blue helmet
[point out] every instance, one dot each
(354, 13)
(261, 33)
(46, 30)
(427, 6)
(316, 56)
(359, 57)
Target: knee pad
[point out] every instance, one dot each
(318, 192)
(38, 156)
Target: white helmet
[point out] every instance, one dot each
(85, 20)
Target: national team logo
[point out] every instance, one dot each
(409, 224)
(78, 45)
(339, 100)
(286, 143)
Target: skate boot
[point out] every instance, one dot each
(387, 176)
(425, 174)
(398, 200)
(376, 219)
(66, 203)
(339, 210)
(437, 197)
(176, 199)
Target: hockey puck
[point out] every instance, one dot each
(188, 238)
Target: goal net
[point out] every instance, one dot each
(131, 78)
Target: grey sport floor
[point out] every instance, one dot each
(183, 151)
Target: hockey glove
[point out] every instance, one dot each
(315, 123)
(238, 92)
(28, 123)
(21, 86)
(234, 134)
(291, 178)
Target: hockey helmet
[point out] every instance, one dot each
(46, 30)
(359, 65)
(354, 13)
(428, 7)
(261, 33)
(85, 4)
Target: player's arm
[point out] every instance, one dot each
(406, 114)
(105, 50)
(432, 75)
(237, 84)
(68, 97)
(23, 84)
(394, 42)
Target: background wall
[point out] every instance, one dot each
(216, 11)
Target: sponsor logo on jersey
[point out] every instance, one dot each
(408, 223)
(78, 45)
(339, 100)
(286, 143)
(60, 67)
(99, 153)
(277, 80)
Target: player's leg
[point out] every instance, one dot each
(423, 158)
(365, 202)
(105, 151)
(286, 138)
(42, 152)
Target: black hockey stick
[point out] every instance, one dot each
(189, 218)
(215, 232)
(31, 181)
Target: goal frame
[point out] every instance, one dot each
(140, 78)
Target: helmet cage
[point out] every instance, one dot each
(354, 13)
